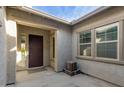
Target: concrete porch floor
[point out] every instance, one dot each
(49, 78)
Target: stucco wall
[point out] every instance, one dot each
(35, 31)
(109, 71)
(11, 33)
(64, 48)
(2, 48)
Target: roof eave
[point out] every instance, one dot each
(33, 11)
(90, 14)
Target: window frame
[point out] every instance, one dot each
(110, 41)
(84, 44)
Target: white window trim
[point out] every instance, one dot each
(84, 44)
(107, 41)
(109, 25)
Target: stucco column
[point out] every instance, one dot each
(11, 33)
(2, 48)
(63, 48)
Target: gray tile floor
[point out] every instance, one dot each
(49, 78)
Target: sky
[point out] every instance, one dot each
(68, 13)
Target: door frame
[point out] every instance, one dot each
(28, 53)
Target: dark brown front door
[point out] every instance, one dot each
(35, 51)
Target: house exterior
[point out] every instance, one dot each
(30, 39)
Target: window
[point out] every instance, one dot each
(107, 41)
(23, 46)
(85, 43)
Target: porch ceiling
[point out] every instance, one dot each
(44, 27)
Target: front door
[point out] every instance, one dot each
(35, 51)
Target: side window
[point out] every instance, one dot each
(85, 43)
(23, 45)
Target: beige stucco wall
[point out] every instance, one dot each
(107, 71)
(64, 47)
(11, 33)
(35, 31)
(3, 55)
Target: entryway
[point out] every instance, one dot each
(36, 50)
(30, 55)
